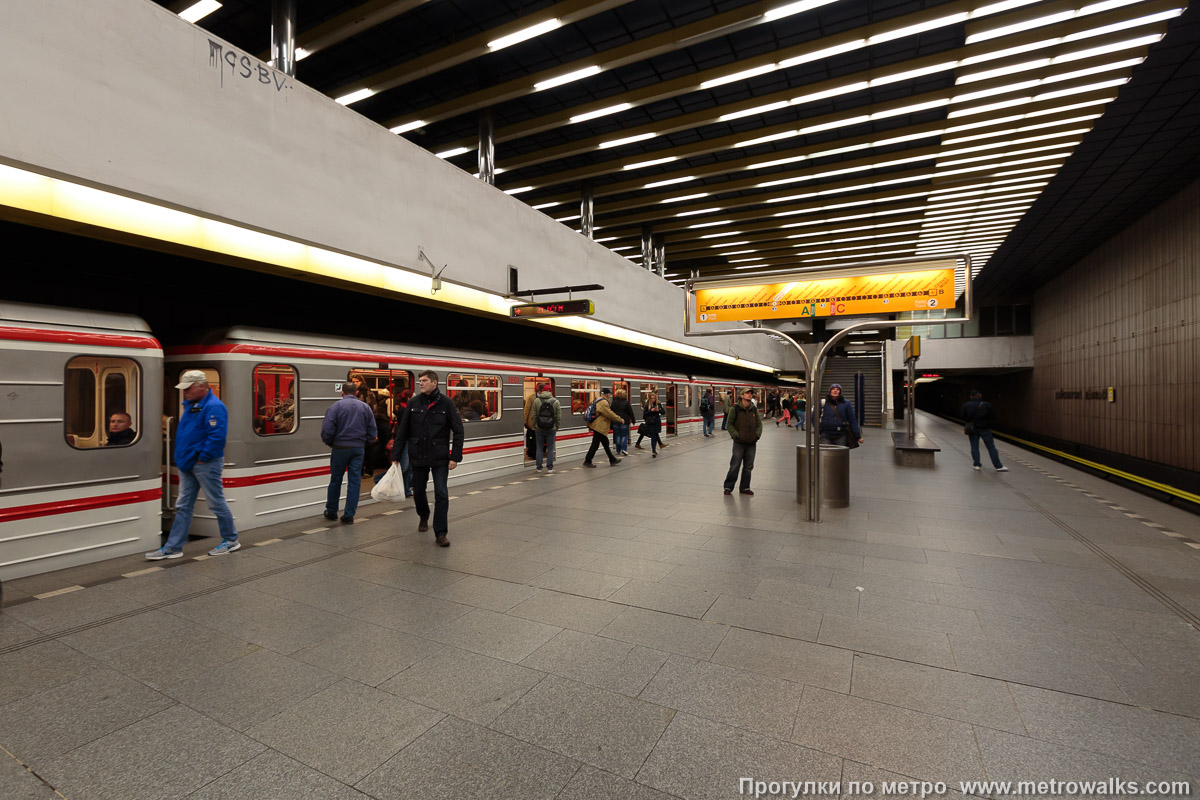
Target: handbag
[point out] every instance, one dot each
(969, 428)
(390, 487)
(851, 439)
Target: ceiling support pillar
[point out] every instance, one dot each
(487, 148)
(647, 248)
(587, 211)
(660, 255)
(283, 36)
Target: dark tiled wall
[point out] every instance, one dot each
(1126, 316)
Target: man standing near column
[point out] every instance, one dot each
(200, 457)
(427, 427)
(745, 428)
(349, 427)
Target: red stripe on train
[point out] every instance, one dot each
(79, 337)
(80, 504)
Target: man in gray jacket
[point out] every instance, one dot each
(348, 428)
(546, 415)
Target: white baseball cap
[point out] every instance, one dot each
(190, 377)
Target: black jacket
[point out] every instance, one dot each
(621, 407)
(980, 412)
(427, 426)
(652, 414)
(120, 439)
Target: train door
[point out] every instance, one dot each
(172, 406)
(672, 415)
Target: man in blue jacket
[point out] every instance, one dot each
(433, 430)
(348, 428)
(200, 457)
(980, 412)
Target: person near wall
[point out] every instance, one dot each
(200, 458)
(979, 415)
(838, 420)
(745, 428)
(349, 428)
(433, 431)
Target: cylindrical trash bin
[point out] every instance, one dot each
(835, 475)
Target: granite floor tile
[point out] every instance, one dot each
(239, 565)
(501, 568)
(604, 729)
(822, 558)
(13, 632)
(978, 578)
(736, 584)
(1160, 688)
(836, 601)
(941, 692)
(411, 613)
(124, 632)
(467, 762)
(1068, 640)
(293, 551)
(251, 689)
(703, 760)
(672, 599)
(465, 684)
(629, 567)
(906, 644)
(884, 585)
(43, 725)
(128, 764)
(369, 655)
(659, 631)
(346, 730)
(274, 776)
(760, 615)
(1035, 666)
(1122, 620)
(737, 697)
(789, 659)
(887, 737)
(1153, 738)
(573, 581)
(488, 593)
(72, 610)
(161, 587)
(559, 556)
(287, 629)
(856, 776)
(339, 593)
(916, 572)
(922, 616)
(233, 603)
(177, 655)
(567, 611)
(40, 667)
(590, 783)
(606, 663)
(18, 783)
(496, 635)
(999, 602)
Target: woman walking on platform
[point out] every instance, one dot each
(838, 420)
(651, 425)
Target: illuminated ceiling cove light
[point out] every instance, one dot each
(737, 76)
(577, 75)
(684, 197)
(301, 54)
(457, 151)
(540, 206)
(669, 182)
(712, 224)
(794, 8)
(199, 11)
(409, 126)
(602, 112)
(522, 35)
(354, 97)
(652, 163)
(641, 137)
(698, 211)
(519, 190)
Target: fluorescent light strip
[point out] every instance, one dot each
(1023, 129)
(520, 190)
(728, 244)
(1049, 19)
(602, 112)
(830, 220)
(684, 197)
(958, 205)
(794, 8)
(198, 11)
(606, 239)
(961, 207)
(522, 35)
(737, 76)
(577, 75)
(354, 97)
(698, 212)
(456, 151)
(567, 219)
(711, 224)
(651, 163)
(669, 182)
(907, 251)
(623, 247)
(408, 126)
(735, 252)
(719, 235)
(540, 206)
(641, 137)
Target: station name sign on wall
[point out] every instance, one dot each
(904, 288)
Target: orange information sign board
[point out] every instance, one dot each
(880, 293)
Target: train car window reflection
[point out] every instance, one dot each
(583, 393)
(101, 402)
(387, 385)
(647, 388)
(274, 399)
(477, 397)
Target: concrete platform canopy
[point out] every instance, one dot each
(630, 632)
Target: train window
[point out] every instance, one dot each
(583, 394)
(274, 399)
(531, 385)
(388, 386)
(477, 397)
(102, 402)
(647, 388)
(622, 386)
(684, 398)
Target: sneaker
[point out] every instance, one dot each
(976, 468)
(225, 547)
(746, 491)
(539, 469)
(331, 515)
(550, 471)
(161, 553)
(1001, 469)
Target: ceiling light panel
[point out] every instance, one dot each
(525, 34)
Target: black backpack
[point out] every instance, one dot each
(545, 416)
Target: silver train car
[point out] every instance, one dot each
(73, 492)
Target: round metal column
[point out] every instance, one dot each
(587, 211)
(487, 148)
(283, 36)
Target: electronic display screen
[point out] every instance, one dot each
(561, 308)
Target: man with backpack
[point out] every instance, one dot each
(599, 418)
(979, 416)
(708, 412)
(745, 428)
(545, 414)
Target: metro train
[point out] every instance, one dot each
(69, 495)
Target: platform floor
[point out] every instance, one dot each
(629, 632)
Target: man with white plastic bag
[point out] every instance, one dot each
(390, 488)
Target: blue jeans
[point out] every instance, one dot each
(799, 420)
(441, 495)
(724, 417)
(545, 439)
(405, 469)
(620, 437)
(709, 423)
(205, 476)
(349, 461)
(743, 459)
(986, 435)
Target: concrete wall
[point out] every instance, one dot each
(123, 95)
(1126, 316)
(986, 353)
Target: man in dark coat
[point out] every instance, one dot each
(745, 428)
(427, 427)
(980, 412)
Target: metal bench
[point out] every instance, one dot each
(915, 452)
